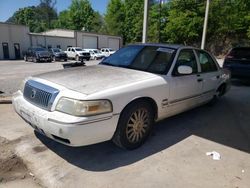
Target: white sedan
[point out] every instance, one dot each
(122, 97)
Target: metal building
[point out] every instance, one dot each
(15, 39)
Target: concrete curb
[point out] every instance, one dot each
(5, 100)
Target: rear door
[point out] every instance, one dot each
(185, 90)
(209, 74)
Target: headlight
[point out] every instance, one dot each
(83, 108)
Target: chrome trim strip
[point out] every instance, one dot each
(80, 122)
(47, 94)
(193, 96)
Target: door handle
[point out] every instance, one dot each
(199, 80)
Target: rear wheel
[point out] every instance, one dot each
(219, 93)
(134, 125)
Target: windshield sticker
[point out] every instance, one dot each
(167, 50)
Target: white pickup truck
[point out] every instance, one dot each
(77, 53)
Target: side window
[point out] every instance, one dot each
(186, 57)
(206, 62)
(153, 59)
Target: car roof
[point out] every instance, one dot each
(173, 46)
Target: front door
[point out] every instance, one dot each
(17, 51)
(5, 50)
(185, 90)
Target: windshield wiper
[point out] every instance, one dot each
(106, 63)
(110, 64)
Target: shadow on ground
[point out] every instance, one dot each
(226, 122)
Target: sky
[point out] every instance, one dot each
(8, 7)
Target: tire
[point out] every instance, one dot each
(25, 58)
(219, 93)
(35, 60)
(77, 58)
(134, 126)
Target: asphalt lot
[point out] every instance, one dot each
(174, 156)
(13, 72)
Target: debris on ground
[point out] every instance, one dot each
(214, 154)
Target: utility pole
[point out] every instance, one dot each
(145, 21)
(205, 26)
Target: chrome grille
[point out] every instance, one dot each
(40, 94)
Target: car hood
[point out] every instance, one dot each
(91, 79)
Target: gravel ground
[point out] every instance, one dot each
(13, 172)
(13, 72)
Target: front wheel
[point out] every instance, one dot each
(25, 58)
(77, 58)
(134, 125)
(35, 60)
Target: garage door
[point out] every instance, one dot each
(89, 42)
(114, 43)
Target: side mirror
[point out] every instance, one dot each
(184, 69)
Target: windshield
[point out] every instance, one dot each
(39, 49)
(96, 51)
(56, 50)
(145, 58)
(78, 49)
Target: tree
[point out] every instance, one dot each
(37, 18)
(46, 11)
(184, 22)
(97, 22)
(134, 20)
(81, 15)
(115, 17)
(158, 14)
(64, 20)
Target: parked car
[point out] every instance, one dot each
(122, 97)
(95, 54)
(238, 62)
(77, 53)
(37, 54)
(58, 54)
(107, 51)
